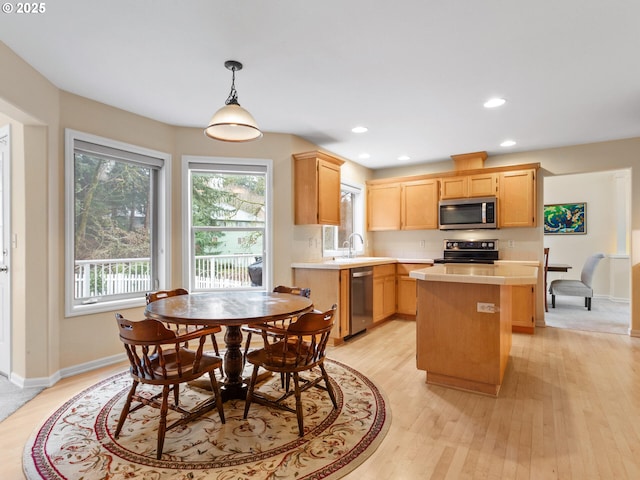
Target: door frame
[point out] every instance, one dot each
(5, 260)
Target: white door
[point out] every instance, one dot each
(5, 250)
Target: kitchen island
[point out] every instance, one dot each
(463, 323)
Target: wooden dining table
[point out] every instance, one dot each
(558, 267)
(230, 309)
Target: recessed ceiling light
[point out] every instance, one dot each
(494, 102)
(364, 156)
(508, 143)
(359, 129)
(404, 158)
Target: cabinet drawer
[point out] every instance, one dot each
(382, 270)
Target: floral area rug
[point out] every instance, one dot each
(77, 441)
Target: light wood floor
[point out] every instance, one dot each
(569, 409)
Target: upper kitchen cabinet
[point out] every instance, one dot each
(383, 206)
(465, 186)
(317, 188)
(517, 198)
(410, 205)
(419, 205)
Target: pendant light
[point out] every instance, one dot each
(232, 123)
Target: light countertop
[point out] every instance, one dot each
(340, 263)
(497, 274)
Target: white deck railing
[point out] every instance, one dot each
(94, 278)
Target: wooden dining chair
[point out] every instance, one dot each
(178, 328)
(281, 324)
(158, 357)
(546, 269)
(300, 348)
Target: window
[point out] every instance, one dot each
(351, 221)
(228, 215)
(116, 227)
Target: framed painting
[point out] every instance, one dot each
(565, 218)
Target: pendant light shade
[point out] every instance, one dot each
(232, 123)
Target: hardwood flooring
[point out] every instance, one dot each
(569, 408)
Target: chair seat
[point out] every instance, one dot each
(573, 288)
(187, 358)
(275, 356)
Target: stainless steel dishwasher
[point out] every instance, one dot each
(361, 315)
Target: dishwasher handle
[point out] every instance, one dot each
(367, 273)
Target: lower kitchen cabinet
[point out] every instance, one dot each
(328, 287)
(384, 291)
(406, 288)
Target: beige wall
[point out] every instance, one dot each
(46, 344)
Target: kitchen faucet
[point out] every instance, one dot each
(351, 246)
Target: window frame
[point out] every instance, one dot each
(161, 239)
(188, 247)
(358, 221)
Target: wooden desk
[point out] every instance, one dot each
(231, 309)
(558, 267)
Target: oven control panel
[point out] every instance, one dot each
(471, 244)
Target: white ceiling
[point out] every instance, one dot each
(415, 72)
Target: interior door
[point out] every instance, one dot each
(5, 283)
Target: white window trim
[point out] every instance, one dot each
(358, 221)
(164, 223)
(267, 272)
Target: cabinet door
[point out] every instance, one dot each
(383, 207)
(328, 193)
(522, 308)
(389, 307)
(344, 303)
(483, 185)
(420, 205)
(454, 187)
(378, 299)
(517, 199)
(406, 295)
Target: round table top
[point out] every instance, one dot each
(227, 308)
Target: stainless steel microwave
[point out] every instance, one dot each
(468, 213)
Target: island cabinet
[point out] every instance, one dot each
(384, 291)
(517, 199)
(406, 289)
(464, 323)
(317, 188)
(328, 287)
(466, 186)
(410, 205)
(457, 345)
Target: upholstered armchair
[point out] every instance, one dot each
(577, 288)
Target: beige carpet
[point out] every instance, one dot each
(13, 397)
(605, 316)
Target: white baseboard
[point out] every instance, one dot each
(66, 372)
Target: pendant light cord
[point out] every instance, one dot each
(233, 95)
